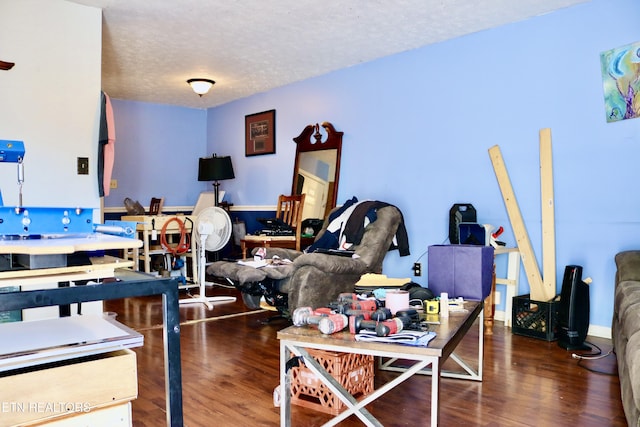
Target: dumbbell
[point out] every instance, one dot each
(345, 304)
(346, 296)
(410, 319)
(381, 313)
(326, 321)
(382, 328)
(333, 323)
(307, 316)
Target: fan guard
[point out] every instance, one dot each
(212, 229)
(215, 224)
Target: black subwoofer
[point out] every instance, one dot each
(573, 311)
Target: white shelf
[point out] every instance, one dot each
(51, 340)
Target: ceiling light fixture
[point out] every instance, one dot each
(201, 86)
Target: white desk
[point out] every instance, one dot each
(150, 227)
(512, 279)
(100, 267)
(131, 285)
(67, 244)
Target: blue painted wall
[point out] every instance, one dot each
(157, 150)
(417, 129)
(418, 126)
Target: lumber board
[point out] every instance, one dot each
(523, 242)
(548, 216)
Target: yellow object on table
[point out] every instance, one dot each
(380, 281)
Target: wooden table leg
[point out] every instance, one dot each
(243, 248)
(489, 307)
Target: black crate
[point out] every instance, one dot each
(535, 319)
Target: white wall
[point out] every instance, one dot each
(51, 99)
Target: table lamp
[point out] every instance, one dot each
(215, 169)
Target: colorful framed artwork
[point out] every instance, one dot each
(260, 133)
(621, 78)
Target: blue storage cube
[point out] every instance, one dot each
(461, 270)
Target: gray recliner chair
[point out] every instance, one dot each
(316, 279)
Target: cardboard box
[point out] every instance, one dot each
(460, 270)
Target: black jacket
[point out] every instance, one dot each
(354, 229)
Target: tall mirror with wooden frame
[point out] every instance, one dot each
(317, 169)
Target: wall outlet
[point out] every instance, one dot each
(113, 184)
(417, 269)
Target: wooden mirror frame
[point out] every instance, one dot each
(305, 143)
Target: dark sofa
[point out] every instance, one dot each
(625, 331)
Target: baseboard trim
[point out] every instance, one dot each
(188, 209)
(594, 330)
(599, 331)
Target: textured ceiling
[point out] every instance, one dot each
(151, 47)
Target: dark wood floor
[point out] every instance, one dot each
(230, 361)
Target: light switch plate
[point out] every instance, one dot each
(83, 166)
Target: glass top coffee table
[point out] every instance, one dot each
(426, 360)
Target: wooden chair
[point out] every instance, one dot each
(155, 207)
(289, 210)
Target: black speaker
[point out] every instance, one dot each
(573, 310)
(459, 212)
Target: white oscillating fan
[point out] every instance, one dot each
(212, 231)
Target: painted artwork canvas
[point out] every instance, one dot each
(621, 78)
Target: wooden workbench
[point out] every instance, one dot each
(127, 284)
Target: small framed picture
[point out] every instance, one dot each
(260, 133)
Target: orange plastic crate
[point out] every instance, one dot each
(355, 372)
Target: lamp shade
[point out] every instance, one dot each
(215, 168)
